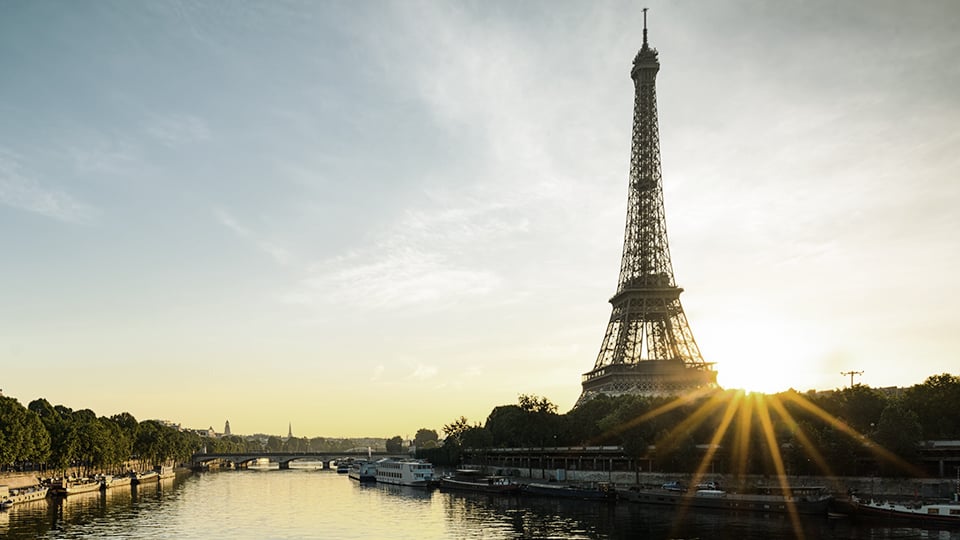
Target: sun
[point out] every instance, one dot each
(753, 377)
(774, 356)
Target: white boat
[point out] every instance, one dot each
(363, 471)
(12, 496)
(946, 513)
(405, 472)
(144, 477)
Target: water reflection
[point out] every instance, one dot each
(322, 504)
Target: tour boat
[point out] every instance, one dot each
(806, 500)
(164, 472)
(474, 480)
(363, 471)
(12, 496)
(405, 472)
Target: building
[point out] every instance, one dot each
(648, 348)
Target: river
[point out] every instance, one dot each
(309, 503)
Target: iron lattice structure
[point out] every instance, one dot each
(648, 348)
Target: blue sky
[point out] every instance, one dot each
(366, 218)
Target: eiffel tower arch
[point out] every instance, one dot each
(648, 348)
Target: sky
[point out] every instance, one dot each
(366, 218)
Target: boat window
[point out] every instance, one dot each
(933, 510)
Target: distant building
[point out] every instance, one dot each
(209, 432)
(168, 423)
(290, 430)
(226, 428)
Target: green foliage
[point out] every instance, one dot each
(425, 435)
(274, 444)
(395, 445)
(858, 406)
(447, 455)
(476, 437)
(532, 403)
(899, 431)
(22, 436)
(858, 420)
(936, 403)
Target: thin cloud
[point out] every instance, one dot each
(276, 252)
(104, 156)
(424, 372)
(20, 189)
(178, 129)
(393, 279)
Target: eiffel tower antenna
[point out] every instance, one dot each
(645, 27)
(648, 348)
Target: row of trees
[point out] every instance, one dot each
(854, 431)
(45, 436)
(58, 438)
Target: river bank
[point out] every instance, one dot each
(884, 488)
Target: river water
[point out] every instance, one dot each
(311, 503)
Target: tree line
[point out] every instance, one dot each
(855, 431)
(58, 439)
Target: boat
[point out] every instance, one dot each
(138, 478)
(940, 513)
(12, 496)
(343, 467)
(474, 480)
(72, 486)
(405, 472)
(806, 500)
(599, 492)
(164, 472)
(363, 471)
(107, 481)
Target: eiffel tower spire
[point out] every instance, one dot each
(648, 348)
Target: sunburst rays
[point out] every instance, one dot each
(744, 424)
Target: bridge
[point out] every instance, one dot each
(241, 460)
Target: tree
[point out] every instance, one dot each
(899, 431)
(929, 400)
(476, 437)
(395, 445)
(532, 403)
(274, 444)
(455, 429)
(22, 436)
(425, 435)
(860, 406)
(507, 425)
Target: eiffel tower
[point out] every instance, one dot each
(648, 348)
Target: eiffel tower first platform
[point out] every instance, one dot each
(648, 348)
